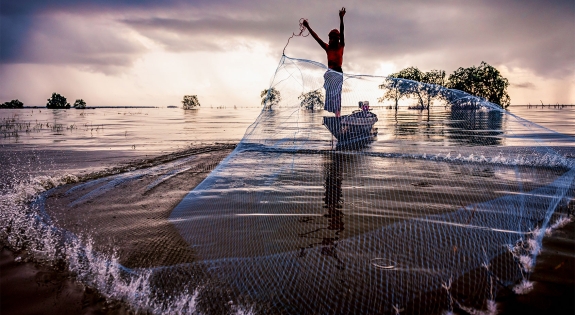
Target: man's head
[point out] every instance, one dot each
(333, 35)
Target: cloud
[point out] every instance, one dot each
(443, 34)
(91, 44)
(524, 85)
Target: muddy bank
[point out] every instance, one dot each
(33, 288)
(554, 278)
(128, 216)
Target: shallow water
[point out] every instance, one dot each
(151, 130)
(165, 129)
(282, 213)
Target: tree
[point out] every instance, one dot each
(436, 77)
(57, 101)
(425, 86)
(394, 92)
(190, 102)
(312, 100)
(80, 104)
(12, 104)
(484, 81)
(270, 97)
(411, 73)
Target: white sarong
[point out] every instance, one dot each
(333, 82)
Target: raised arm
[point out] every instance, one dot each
(341, 37)
(314, 35)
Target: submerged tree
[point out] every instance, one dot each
(436, 77)
(12, 104)
(425, 86)
(270, 97)
(484, 81)
(395, 90)
(80, 104)
(312, 100)
(411, 73)
(190, 102)
(57, 101)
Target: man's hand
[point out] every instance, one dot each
(305, 23)
(341, 12)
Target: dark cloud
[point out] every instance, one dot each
(72, 40)
(13, 33)
(444, 34)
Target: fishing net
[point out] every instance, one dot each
(412, 211)
(432, 216)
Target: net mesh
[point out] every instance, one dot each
(417, 211)
(435, 215)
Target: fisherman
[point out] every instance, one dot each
(333, 78)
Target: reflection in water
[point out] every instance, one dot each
(333, 203)
(417, 125)
(449, 126)
(472, 127)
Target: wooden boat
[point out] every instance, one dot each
(354, 129)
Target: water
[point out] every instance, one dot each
(155, 130)
(151, 130)
(312, 208)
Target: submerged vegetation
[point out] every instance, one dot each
(80, 104)
(12, 104)
(190, 102)
(270, 97)
(483, 81)
(57, 101)
(312, 100)
(12, 127)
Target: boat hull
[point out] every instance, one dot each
(349, 133)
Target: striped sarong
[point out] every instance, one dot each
(333, 82)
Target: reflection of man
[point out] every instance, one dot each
(333, 202)
(333, 77)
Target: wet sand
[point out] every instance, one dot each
(32, 288)
(130, 218)
(43, 289)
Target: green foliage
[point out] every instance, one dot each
(411, 73)
(393, 92)
(12, 104)
(436, 77)
(57, 101)
(313, 100)
(190, 102)
(80, 104)
(270, 97)
(483, 81)
(425, 86)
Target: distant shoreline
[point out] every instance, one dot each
(87, 107)
(168, 106)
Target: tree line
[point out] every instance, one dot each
(483, 81)
(56, 101)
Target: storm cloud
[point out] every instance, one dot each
(445, 34)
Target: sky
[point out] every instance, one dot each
(128, 52)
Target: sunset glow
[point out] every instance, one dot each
(124, 53)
